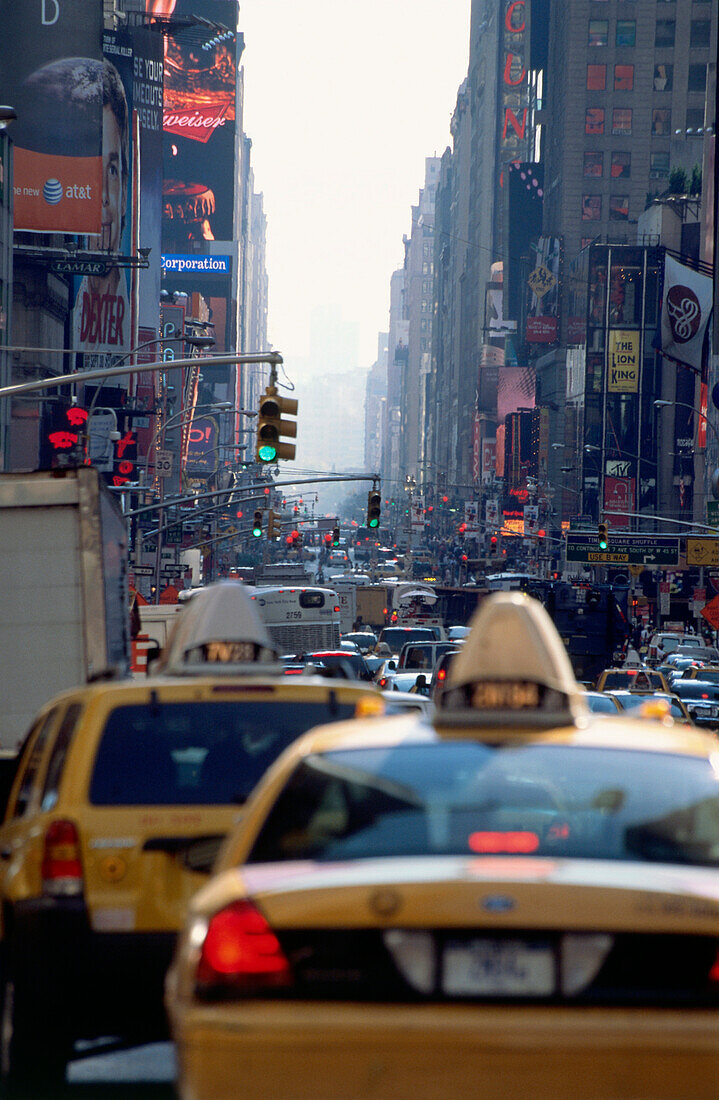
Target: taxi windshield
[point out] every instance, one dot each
(632, 679)
(466, 798)
(197, 753)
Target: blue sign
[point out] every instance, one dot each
(196, 265)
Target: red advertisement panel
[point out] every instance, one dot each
(619, 494)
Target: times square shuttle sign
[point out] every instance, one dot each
(51, 64)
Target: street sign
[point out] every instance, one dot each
(624, 549)
(711, 613)
(163, 463)
(143, 570)
(713, 511)
(703, 551)
(664, 598)
(173, 534)
(79, 267)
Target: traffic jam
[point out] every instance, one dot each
(491, 881)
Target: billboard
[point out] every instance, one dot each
(102, 319)
(51, 61)
(624, 362)
(200, 76)
(147, 95)
(542, 324)
(619, 494)
(203, 447)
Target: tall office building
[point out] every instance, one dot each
(626, 106)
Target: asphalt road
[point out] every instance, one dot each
(139, 1073)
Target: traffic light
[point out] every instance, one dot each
(335, 536)
(257, 524)
(271, 427)
(374, 508)
(493, 544)
(273, 525)
(602, 537)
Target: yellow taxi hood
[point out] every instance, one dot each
(512, 665)
(219, 626)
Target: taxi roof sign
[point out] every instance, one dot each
(219, 627)
(512, 670)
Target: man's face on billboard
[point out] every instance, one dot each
(114, 186)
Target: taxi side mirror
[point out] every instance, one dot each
(391, 665)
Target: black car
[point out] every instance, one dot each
(701, 699)
(339, 662)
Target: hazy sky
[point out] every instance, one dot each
(343, 101)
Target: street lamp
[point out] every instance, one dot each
(662, 403)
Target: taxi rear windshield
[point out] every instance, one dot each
(185, 754)
(641, 679)
(467, 799)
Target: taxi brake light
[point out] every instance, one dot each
(61, 862)
(714, 972)
(442, 674)
(240, 948)
(489, 842)
(705, 695)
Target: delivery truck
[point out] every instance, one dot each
(63, 555)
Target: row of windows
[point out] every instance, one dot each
(618, 208)
(621, 165)
(665, 33)
(594, 120)
(663, 78)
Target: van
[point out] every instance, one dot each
(423, 656)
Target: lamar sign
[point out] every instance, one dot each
(623, 372)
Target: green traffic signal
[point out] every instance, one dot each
(374, 506)
(602, 537)
(257, 524)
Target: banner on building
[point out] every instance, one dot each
(619, 497)
(51, 64)
(542, 325)
(489, 460)
(102, 320)
(491, 511)
(471, 517)
(624, 361)
(416, 513)
(202, 447)
(686, 308)
(531, 519)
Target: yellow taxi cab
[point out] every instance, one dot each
(123, 794)
(519, 898)
(646, 680)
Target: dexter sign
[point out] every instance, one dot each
(623, 367)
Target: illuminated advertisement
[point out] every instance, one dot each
(51, 56)
(623, 367)
(199, 124)
(619, 495)
(202, 448)
(102, 320)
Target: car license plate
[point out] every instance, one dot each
(499, 968)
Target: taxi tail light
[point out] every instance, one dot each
(61, 860)
(714, 972)
(241, 950)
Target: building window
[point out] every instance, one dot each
(665, 33)
(695, 118)
(699, 33)
(594, 164)
(591, 208)
(623, 78)
(598, 32)
(663, 77)
(626, 32)
(622, 120)
(619, 208)
(659, 165)
(661, 120)
(621, 166)
(697, 78)
(596, 78)
(594, 120)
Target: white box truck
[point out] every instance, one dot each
(63, 557)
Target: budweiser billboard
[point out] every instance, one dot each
(51, 64)
(200, 80)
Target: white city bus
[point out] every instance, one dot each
(300, 619)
